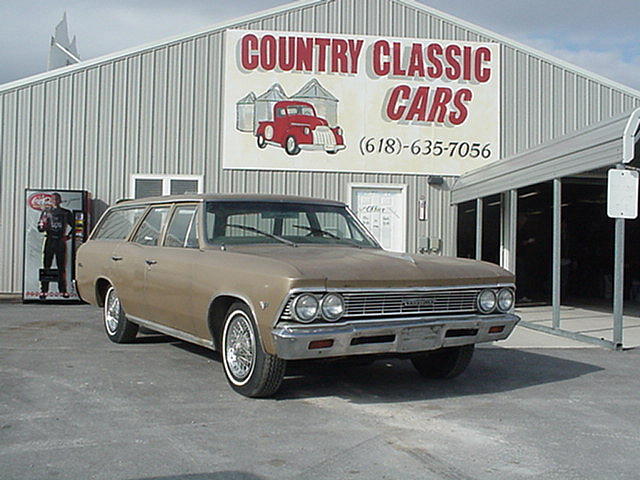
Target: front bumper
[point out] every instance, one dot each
(320, 146)
(402, 335)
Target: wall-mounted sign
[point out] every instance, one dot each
(325, 102)
(622, 194)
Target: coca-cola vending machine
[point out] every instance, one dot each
(56, 223)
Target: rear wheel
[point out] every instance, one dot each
(249, 369)
(118, 328)
(444, 363)
(261, 141)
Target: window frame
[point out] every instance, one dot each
(195, 224)
(108, 213)
(142, 219)
(166, 181)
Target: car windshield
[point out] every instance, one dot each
(247, 222)
(300, 110)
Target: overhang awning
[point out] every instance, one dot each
(597, 146)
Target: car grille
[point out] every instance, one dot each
(405, 303)
(323, 136)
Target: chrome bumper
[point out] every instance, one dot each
(404, 335)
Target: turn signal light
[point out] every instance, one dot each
(496, 329)
(316, 344)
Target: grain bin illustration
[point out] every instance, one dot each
(245, 109)
(324, 102)
(263, 105)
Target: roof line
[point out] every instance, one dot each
(158, 43)
(304, 3)
(515, 44)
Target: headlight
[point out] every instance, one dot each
(505, 300)
(332, 307)
(338, 130)
(306, 308)
(306, 131)
(487, 301)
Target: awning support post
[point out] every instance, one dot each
(557, 252)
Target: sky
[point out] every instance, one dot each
(600, 36)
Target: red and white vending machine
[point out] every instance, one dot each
(56, 223)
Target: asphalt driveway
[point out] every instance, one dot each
(74, 405)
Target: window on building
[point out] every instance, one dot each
(156, 185)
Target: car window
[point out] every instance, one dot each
(151, 228)
(118, 223)
(300, 110)
(181, 229)
(247, 222)
(281, 112)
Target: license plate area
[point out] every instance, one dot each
(413, 339)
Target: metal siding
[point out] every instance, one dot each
(158, 110)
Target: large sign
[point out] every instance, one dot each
(325, 102)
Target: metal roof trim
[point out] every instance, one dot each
(306, 3)
(589, 142)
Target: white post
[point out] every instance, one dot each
(557, 251)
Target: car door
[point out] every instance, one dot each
(137, 257)
(169, 278)
(119, 263)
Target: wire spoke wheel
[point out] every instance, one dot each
(240, 347)
(118, 328)
(112, 312)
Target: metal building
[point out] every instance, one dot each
(151, 119)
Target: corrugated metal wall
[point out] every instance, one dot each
(157, 110)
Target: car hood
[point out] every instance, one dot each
(345, 266)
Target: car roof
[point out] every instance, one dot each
(229, 197)
(287, 103)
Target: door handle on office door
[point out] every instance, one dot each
(148, 261)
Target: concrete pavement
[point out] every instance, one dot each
(74, 405)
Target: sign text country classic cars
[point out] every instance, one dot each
(325, 102)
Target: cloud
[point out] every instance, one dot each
(596, 35)
(614, 63)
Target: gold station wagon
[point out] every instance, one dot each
(265, 279)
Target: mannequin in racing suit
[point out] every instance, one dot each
(53, 222)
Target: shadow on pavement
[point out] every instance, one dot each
(395, 380)
(492, 370)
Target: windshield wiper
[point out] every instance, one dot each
(266, 234)
(318, 230)
(328, 234)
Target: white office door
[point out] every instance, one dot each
(382, 209)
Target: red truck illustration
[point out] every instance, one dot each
(296, 126)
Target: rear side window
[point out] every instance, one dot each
(118, 223)
(181, 231)
(151, 228)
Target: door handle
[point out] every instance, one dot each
(148, 261)
(116, 258)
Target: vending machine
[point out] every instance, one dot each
(56, 223)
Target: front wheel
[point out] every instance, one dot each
(118, 328)
(444, 363)
(291, 145)
(250, 371)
